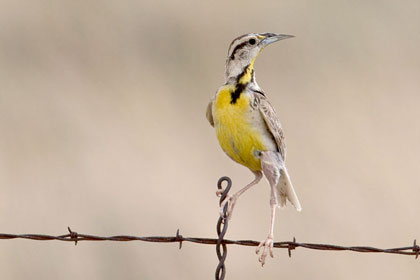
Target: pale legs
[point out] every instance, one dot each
(231, 199)
(274, 170)
(268, 243)
(271, 168)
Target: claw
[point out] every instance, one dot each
(268, 248)
(230, 201)
(219, 193)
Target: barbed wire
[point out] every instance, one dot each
(73, 236)
(220, 242)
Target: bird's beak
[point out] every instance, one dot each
(271, 38)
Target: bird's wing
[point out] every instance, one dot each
(209, 112)
(273, 124)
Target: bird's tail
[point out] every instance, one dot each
(275, 171)
(286, 191)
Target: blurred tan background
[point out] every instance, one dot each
(102, 122)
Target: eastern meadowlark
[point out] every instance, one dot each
(248, 128)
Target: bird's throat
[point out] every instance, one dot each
(247, 74)
(242, 81)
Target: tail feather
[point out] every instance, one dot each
(286, 191)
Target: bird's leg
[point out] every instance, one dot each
(268, 243)
(271, 168)
(231, 199)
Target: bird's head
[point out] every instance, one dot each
(244, 50)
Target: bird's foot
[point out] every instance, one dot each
(230, 201)
(219, 192)
(268, 248)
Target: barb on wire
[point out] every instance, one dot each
(221, 254)
(179, 238)
(73, 235)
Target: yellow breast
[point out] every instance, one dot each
(235, 129)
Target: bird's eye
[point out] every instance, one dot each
(252, 41)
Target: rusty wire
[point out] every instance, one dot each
(221, 231)
(413, 250)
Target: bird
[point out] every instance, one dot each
(249, 131)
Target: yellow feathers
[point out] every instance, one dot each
(246, 77)
(235, 130)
